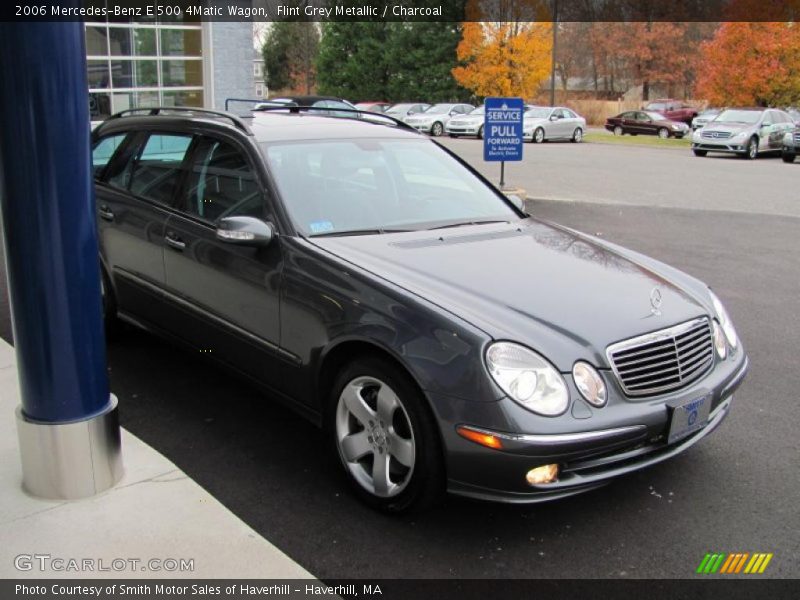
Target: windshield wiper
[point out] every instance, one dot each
(464, 224)
(346, 232)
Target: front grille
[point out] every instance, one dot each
(663, 360)
(717, 135)
(797, 138)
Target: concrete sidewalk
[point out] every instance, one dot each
(154, 512)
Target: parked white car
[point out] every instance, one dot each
(469, 124)
(435, 119)
(542, 123)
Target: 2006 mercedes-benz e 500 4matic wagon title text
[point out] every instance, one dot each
(371, 279)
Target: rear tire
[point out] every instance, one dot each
(700, 153)
(378, 419)
(788, 157)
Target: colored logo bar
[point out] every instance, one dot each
(734, 563)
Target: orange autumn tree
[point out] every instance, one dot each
(505, 49)
(751, 64)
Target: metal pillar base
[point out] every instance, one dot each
(67, 461)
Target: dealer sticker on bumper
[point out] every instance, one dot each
(688, 418)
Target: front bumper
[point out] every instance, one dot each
(630, 436)
(462, 129)
(710, 146)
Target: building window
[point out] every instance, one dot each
(257, 69)
(142, 64)
(259, 90)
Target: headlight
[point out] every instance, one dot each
(589, 383)
(787, 138)
(527, 378)
(719, 341)
(676, 127)
(725, 322)
(740, 136)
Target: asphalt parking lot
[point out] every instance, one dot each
(733, 223)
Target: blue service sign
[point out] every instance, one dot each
(502, 127)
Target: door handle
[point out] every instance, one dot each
(106, 213)
(174, 241)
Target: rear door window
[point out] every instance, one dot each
(104, 150)
(155, 171)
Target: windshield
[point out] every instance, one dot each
(709, 112)
(338, 186)
(538, 113)
(399, 108)
(438, 109)
(475, 112)
(657, 106)
(749, 117)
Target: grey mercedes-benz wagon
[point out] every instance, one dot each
(367, 277)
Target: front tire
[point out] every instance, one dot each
(437, 129)
(480, 133)
(751, 152)
(788, 157)
(663, 133)
(577, 136)
(386, 437)
(618, 130)
(538, 136)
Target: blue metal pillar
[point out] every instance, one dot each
(67, 421)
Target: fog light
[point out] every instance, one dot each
(719, 341)
(543, 474)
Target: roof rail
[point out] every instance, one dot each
(250, 101)
(364, 115)
(161, 110)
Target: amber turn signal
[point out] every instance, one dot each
(484, 439)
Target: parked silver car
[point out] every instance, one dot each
(542, 123)
(705, 117)
(469, 124)
(747, 132)
(406, 109)
(435, 119)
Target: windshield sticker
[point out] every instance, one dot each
(320, 226)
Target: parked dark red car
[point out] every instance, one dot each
(674, 110)
(644, 122)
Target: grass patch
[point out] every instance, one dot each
(639, 140)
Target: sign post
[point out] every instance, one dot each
(502, 139)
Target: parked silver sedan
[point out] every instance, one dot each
(542, 123)
(470, 124)
(747, 132)
(435, 119)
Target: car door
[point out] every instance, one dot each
(228, 294)
(627, 122)
(135, 192)
(645, 125)
(570, 122)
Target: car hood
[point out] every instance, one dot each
(732, 127)
(562, 293)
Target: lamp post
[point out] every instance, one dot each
(553, 61)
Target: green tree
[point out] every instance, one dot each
(392, 61)
(290, 51)
(421, 57)
(352, 60)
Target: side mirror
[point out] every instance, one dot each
(554, 117)
(245, 231)
(518, 202)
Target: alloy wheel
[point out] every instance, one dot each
(752, 148)
(374, 436)
(618, 130)
(663, 133)
(538, 135)
(436, 130)
(578, 135)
